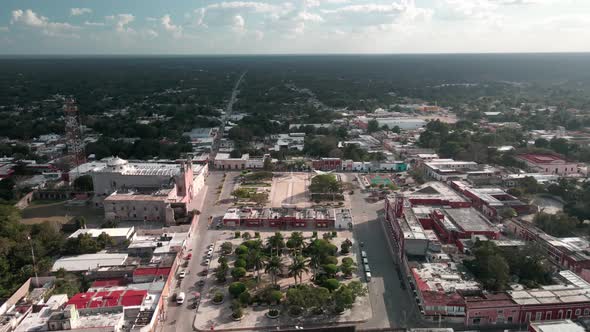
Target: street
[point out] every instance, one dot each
(180, 317)
(391, 303)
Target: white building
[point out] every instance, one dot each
(119, 235)
(87, 262)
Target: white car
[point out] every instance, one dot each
(368, 276)
(209, 255)
(207, 261)
(182, 274)
(180, 298)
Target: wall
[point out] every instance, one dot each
(24, 201)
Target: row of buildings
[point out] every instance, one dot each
(288, 218)
(434, 227)
(129, 286)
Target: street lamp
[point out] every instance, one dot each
(34, 264)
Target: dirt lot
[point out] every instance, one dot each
(39, 212)
(290, 189)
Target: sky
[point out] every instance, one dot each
(292, 27)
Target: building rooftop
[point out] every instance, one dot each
(410, 225)
(541, 158)
(89, 261)
(112, 232)
(435, 190)
(468, 219)
(442, 278)
(124, 298)
(556, 326)
(575, 289)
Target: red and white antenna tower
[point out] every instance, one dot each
(74, 142)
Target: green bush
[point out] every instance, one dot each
(237, 234)
(236, 288)
(238, 272)
(241, 250)
(245, 298)
(331, 284)
(218, 297)
(257, 235)
(240, 263)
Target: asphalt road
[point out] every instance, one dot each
(180, 317)
(392, 305)
(228, 111)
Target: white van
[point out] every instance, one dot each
(368, 276)
(180, 298)
(363, 254)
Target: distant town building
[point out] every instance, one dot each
(548, 164)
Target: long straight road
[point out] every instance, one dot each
(180, 317)
(228, 110)
(392, 305)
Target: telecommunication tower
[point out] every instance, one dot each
(74, 142)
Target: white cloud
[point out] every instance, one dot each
(31, 19)
(309, 17)
(170, 27)
(80, 11)
(94, 24)
(150, 33)
(121, 21)
(238, 23)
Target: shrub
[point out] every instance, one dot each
(237, 234)
(273, 312)
(331, 284)
(314, 234)
(238, 272)
(237, 311)
(227, 247)
(347, 261)
(245, 298)
(330, 260)
(241, 250)
(257, 235)
(275, 296)
(236, 288)
(218, 297)
(246, 236)
(331, 270)
(334, 234)
(295, 310)
(240, 263)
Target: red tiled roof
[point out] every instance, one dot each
(540, 158)
(108, 283)
(421, 284)
(153, 271)
(108, 299)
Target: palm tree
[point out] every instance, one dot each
(276, 242)
(297, 267)
(256, 261)
(315, 261)
(297, 239)
(274, 265)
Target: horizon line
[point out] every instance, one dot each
(15, 55)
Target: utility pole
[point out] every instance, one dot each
(34, 264)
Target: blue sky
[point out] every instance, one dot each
(295, 26)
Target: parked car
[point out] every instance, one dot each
(182, 274)
(180, 298)
(363, 254)
(206, 262)
(367, 269)
(365, 261)
(201, 282)
(368, 276)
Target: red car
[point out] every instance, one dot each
(189, 256)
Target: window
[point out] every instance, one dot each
(548, 315)
(569, 314)
(528, 317)
(578, 312)
(538, 316)
(560, 314)
(586, 312)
